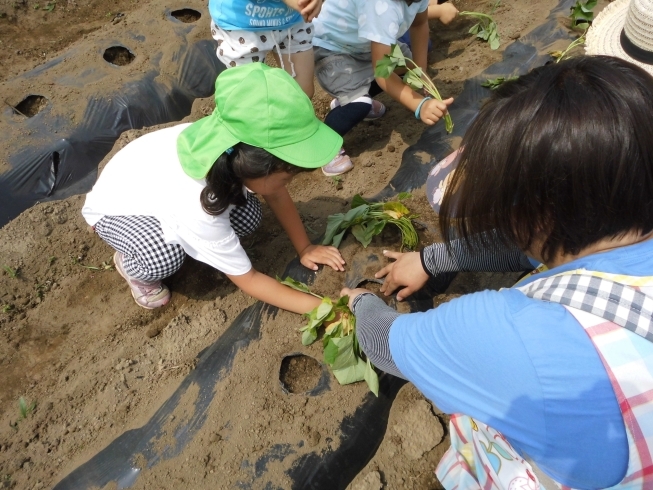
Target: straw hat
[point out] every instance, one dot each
(624, 29)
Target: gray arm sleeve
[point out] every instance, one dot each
(437, 258)
(373, 321)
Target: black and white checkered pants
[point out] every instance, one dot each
(146, 255)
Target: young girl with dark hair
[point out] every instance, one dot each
(548, 382)
(189, 189)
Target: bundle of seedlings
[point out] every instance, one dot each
(415, 77)
(341, 350)
(367, 219)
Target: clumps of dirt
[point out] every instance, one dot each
(299, 373)
(415, 440)
(118, 55)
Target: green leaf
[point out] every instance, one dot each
(359, 231)
(371, 378)
(338, 238)
(355, 213)
(330, 352)
(346, 355)
(296, 285)
(404, 195)
(324, 309)
(309, 336)
(495, 43)
(333, 225)
(351, 374)
(384, 67)
(358, 201)
(475, 29)
(413, 81)
(342, 302)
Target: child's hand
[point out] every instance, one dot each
(446, 13)
(432, 110)
(313, 255)
(309, 9)
(353, 294)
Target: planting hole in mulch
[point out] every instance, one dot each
(187, 16)
(118, 55)
(31, 105)
(299, 373)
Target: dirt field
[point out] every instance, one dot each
(95, 365)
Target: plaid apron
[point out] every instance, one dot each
(616, 311)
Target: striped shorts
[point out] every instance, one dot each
(146, 254)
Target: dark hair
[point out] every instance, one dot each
(564, 153)
(224, 182)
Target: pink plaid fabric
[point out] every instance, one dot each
(632, 380)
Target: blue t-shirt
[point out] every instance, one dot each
(528, 369)
(252, 15)
(348, 26)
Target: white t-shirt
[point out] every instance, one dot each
(145, 178)
(348, 26)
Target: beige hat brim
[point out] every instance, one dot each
(604, 36)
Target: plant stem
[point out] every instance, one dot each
(476, 14)
(433, 90)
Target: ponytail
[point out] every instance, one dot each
(225, 179)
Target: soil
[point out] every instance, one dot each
(95, 365)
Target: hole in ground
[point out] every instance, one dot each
(118, 55)
(299, 373)
(187, 16)
(31, 105)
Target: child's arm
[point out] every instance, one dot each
(310, 255)
(419, 39)
(264, 288)
(430, 112)
(308, 8)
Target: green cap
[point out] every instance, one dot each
(263, 107)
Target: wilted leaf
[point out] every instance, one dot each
(397, 207)
(338, 238)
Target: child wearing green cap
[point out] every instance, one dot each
(188, 189)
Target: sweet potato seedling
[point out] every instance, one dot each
(485, 29)
(494, 83)
(367, 220)
(341, 350)
(582, 13)
(563, 55)
(415, 78)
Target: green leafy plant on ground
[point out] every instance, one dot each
(415, 78)
(485, 29)
(493, 83)
(582, 13)
(12, 272)
(24, 408)
(341, 350)
(367, 220)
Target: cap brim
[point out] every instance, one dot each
(603, 36)
(200, 145)
(313, 152)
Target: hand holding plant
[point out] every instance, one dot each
(341, 349)
(415, 78)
